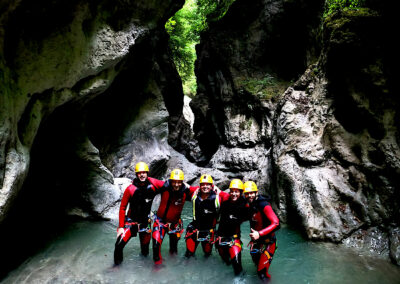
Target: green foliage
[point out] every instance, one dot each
(265, 88)
(213, 10)
(332, 6)
(184, 29)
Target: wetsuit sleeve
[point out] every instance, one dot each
(156, 182)
(272, 218)
(192, 189)
(224, 196)
(124, 204)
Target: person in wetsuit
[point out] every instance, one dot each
(135, 210)
(263, 224)
(232, 214)
(206, 203)
(174, 193)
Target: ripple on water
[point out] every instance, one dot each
(84, 254)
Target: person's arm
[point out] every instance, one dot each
(224, 196)
(122, 208)
(255, 235)
(191, 192)
(156, 182)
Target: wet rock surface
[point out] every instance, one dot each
(59, 53)
(60, 62)
(88, 94)
(394, 243)
(330, 140)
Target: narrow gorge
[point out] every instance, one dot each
(301, 103)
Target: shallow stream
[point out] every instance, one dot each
(84, 254)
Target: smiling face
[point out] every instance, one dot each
(234, 194)
(250, 196)
(142, 176)
(205, 187)
(176, 184)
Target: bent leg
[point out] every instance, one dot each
(122, 240)
(265, 261)
(191, 241)
(158, 236)
(191, 246)
(144, 242)
(207, 248)
(173, 243)
(224, 253)
(236, 256)
(255, 253)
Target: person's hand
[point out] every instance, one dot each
(216, 189)
(120, 231)
(186, 184)
(254, 235)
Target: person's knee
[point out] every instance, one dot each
(188, 253)
(207, 248)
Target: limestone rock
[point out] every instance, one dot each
(333, 167)
(238, 159)
(373, 240)
(394, 243)
(61, 53)
(330, 141)
(193, 172)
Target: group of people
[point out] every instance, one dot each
(210, 205)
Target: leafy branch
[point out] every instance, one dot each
(184, 29)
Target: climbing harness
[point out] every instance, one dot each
(201, 235)
(176, 228)
(226, 241)
(263, 247)
(170, 227)
(140, 227)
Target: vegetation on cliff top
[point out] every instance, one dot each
(265, 87)
(186, 25)
(184, 29)
(332, 6)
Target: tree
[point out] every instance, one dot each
(184, 29)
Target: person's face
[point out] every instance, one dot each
(176, 184)
(142, 176)
(250, 196)
(205, 187)
(234, 194)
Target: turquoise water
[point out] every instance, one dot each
(84, 254)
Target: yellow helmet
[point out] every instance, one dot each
(206, 179)
(250, 186)
(141, 167)
(236, 183)
(177, 174)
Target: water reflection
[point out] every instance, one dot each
(84, 254)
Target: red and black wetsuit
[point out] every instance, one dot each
(263, 220)
(232, 214)
(139, 196)
(201, 229)
(168, 219)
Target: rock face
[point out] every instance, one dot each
(340, 168)
(244, 60)
(66, 68)
(327, 149)
(66, 53)
(90, 89)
